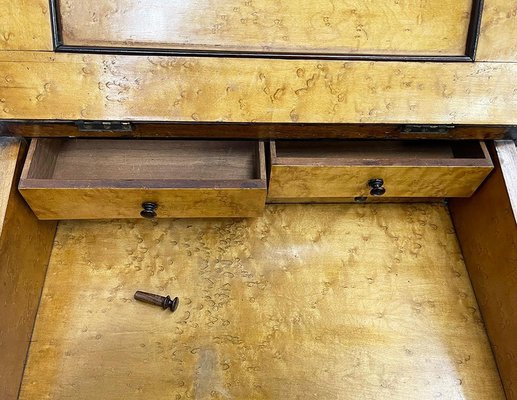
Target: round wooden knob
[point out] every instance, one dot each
(376, 186)
(149, 210)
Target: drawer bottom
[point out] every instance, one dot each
(308, 301)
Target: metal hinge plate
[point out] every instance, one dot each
(426, 129)
(104, 126)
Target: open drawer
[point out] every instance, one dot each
(334, 169)
(91, 179)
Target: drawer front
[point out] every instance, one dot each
(63, 203)
(314, 28)
(344, 170)
(93, 179)
(288, 182)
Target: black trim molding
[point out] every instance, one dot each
(469, 56)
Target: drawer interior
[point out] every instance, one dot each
(319, 301)
(111, 159)
(386, 152)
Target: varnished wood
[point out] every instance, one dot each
(507, 157)
(498, 32)
(349, 26)
(91, 179)
(305, 302)
(25, 245)
(25, 25)
(256, 131)
(342, 169)
(487, 229)
(104, 87)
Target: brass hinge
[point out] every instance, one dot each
(104, 126)
(436, 129)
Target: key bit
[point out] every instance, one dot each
(157, 300)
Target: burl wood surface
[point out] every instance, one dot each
(25, 25)
(313, 26)
(115, 202)
(497, 39)
(486, 225)
(25, 246)
(105, 87)
(310, 301)
(350, 181)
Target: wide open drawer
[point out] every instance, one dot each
(89, 179)
(331, 169)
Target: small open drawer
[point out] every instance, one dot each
(347, 170)
(91, 179)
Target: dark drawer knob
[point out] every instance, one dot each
(376, 187)
(149, 210)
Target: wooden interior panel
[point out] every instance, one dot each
(25, 246)
(83, 159)
(105, 87)
(498, 32)
(303, 302)
(25, 25)
(349, 26)
(486, 226)
(342, 169)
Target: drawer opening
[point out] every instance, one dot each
(153, 160)
(398, 152)
(108, 178)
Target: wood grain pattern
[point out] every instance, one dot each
(338, 170)
(507, 158)
(25, 25)
(498, 31)
(349, 26)
(324, 302)
(25, 245)
(81, 202)
(487, 229)
(92, 179)
(104, 87)
(254, 131)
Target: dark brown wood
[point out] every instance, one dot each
(140, 160)
(254, 131)
(375, 152)
(157, 300)
(486, 226)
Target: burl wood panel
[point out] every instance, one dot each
(487, 229)
(497, 39)
(25, 246)
(350, 181)
(105, 202)
(324, 302)
(105, 87)
(25, 25)
(314, 26)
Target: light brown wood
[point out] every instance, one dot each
(25, 245)
(25, 25)
(497, 39)
(487, 229)
(507, 157)
(327, 302)
(348, 26)
(92, 179)
(340, 169)
(105, 87)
